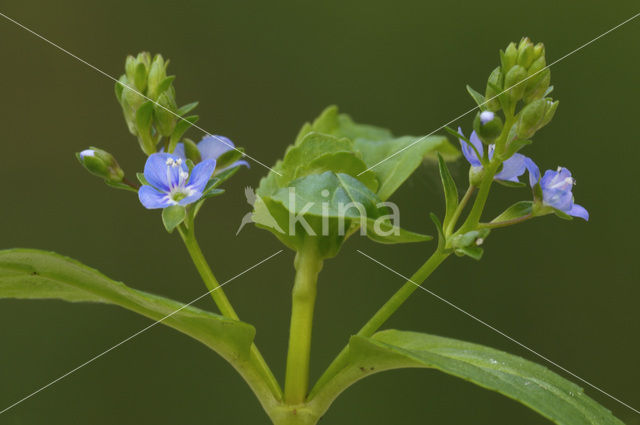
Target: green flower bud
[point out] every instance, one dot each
(165, 121)
(157, 74)
(476, 175)
(512, 80)
(534, 116)
(488, 126)
(494, 87)
(539, 80)
(509, 57)
(538, 51)
(101, 164)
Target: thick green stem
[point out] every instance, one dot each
(308, 264)
(221, 300)
(382, 315)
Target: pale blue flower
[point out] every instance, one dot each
(170, 182)
(212, 147)
(557, 189)
(512, 168)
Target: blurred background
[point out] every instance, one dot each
(260, 69)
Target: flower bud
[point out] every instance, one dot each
(534, 116)
(526, 54)
(488, 126)
(101, 164)
(494, 87)
(157, 74)
(538, 82)
(512, 82)
(509, 57)
(147, 98)
(164, 119)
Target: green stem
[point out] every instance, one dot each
(381, 316)
(490, 170)
(456, 215)
(308, 264)
(224, 304)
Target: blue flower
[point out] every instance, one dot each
(211, 147)
(512, 168)
(170, 182)
(557, 189)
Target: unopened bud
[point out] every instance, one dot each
(534, 116)
(509, 57)
(494, 87)
(488, 126)
(101, 164)
(513, 82)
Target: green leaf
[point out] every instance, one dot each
(450, 190)
(526, 382)
(516, 210)
(33, 274)
(181, 127)
(477, 97)
(229, 157)
(440, 229)
(172, 216)
(185, 109)
(333, 206)
(394, 160)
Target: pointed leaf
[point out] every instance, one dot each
(33, 274)
(181, 127)
(516, 210)
(185, 109)
(477, 97)
(533, 385)
(450, 191)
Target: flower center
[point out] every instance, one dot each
(178, 193)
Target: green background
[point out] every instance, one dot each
(260, 69)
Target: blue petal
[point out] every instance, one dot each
(211, 147)
(152, 198)
(579, 211)
(190, 199)
(468, 151)
(512, 168)
(558, 198)
(534, 171)
(200, 175)
(548, 176)
(162, 175)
